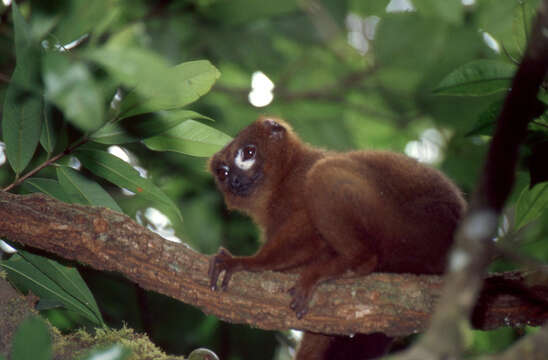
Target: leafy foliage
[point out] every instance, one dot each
(122, 174)
(531, 204)
(32, 341)
(190, 137)
(21, 120)
(480, 77)
(81, 190)
(52, 281)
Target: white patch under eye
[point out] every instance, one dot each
(241, 163)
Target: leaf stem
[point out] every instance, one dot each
(47, 163)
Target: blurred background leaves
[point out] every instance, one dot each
(116, 97)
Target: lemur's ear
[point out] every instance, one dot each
(275, 128)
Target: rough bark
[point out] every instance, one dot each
(391, 303)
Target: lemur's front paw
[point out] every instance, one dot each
(217, 264)
(301, 298)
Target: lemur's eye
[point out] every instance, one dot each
(249, 152)
(222, 173)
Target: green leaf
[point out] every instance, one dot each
(32, 340)
(50, 128)
(50, 281)
(21, 124)
(68, 278)
(124, 175)
(24, 43)
(531, 204)
(21, 118)
(131, 66)
(487, 120)
(83, 190)
(190, 137)
(521, 24)
(47, 186)
(48, 304)
(142, 126)
(71, 87)
(448, 10)
(112, 352)
(477, 78)
(182, 85)
(80, 17)
(155, 85)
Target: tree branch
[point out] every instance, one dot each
(396, 304)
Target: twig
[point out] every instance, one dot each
(46, 163)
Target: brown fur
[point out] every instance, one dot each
(325, 213)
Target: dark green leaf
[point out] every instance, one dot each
(21, 124)
(48, 304)
(50, 129)
(28, 277)
(24, 43)
(112, 352)
(83, 190)
(190, 137)
(81, 17)
(142, 126)
(68, 278)
(21, 118)
(32, 340)
(124, 175)
(523, 19)
(477, 78)
(47, 186)
(71, 87)
(531, 204)
(487, 120)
